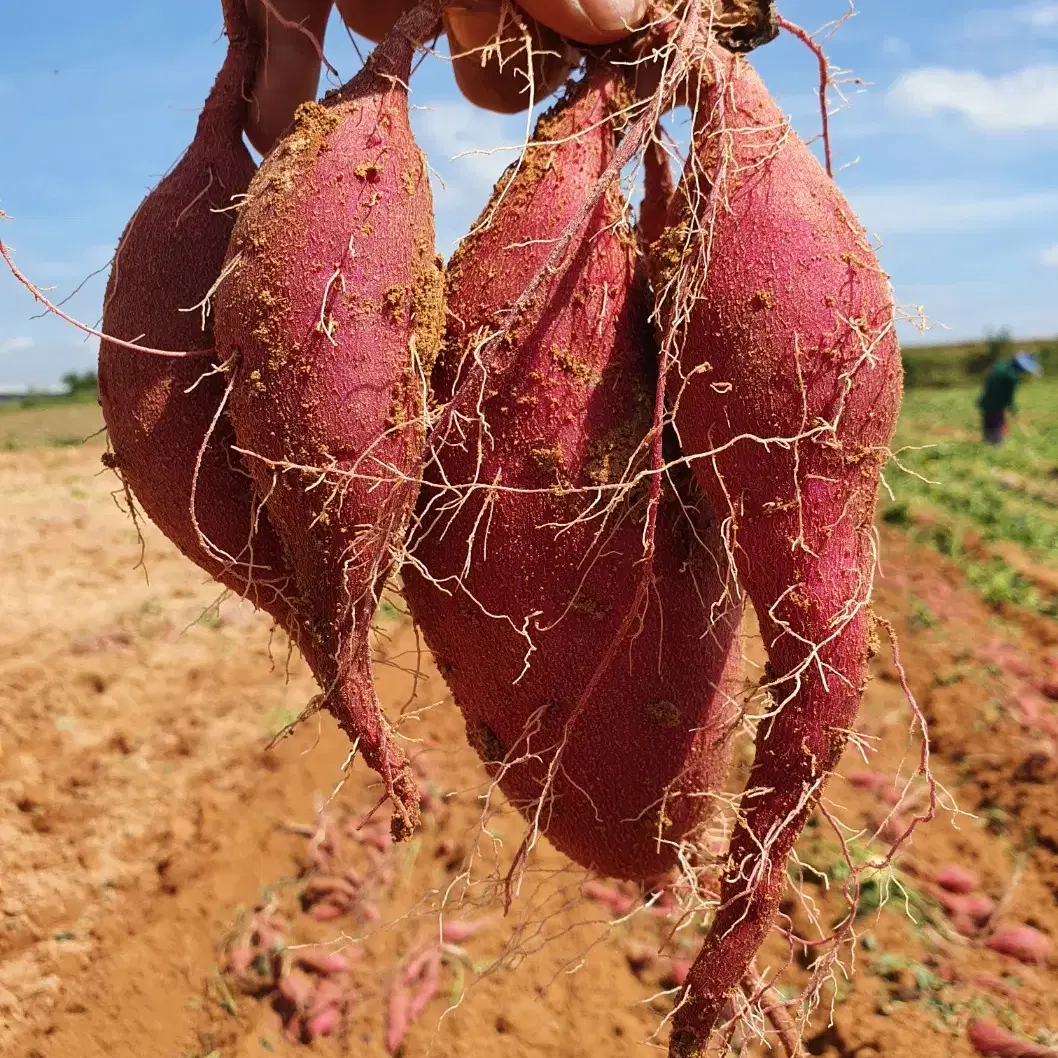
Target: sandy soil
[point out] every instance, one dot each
(143, 819)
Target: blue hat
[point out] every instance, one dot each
(1028, 363)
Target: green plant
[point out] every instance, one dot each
(920, 614)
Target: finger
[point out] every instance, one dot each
(290, 72)
(588, 21)
(497, 78)
(373, 19)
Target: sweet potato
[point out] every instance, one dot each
(1021, 942)
(993, 1041)
(520, 582)
(786, 394)
(167, 442)
(957, 879)
(329, 318)
(324, 1022)
(658, 189)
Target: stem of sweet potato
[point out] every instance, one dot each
(796, 753)
(390, 56)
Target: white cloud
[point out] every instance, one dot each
(1042, 16)
(1023, 101)
(467, 146)
(468, 149)
(15, 345)
(922, 209)
(1050, 256)
(996, 23)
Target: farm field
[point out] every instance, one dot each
(55, 425)
(148, 825)
(993, 510)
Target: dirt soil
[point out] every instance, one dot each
(144, 824)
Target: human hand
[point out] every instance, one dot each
(294, 30)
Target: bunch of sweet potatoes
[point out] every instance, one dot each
(584, 448)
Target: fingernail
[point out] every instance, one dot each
(612, 16)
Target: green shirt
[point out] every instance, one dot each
(1000, 384)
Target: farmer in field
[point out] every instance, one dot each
(997, 398)
(295, 28)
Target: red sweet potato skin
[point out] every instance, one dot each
(159, 411)
(569, 415)
(330, 319)
(791, 333)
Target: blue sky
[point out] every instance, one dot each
(950, 151)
